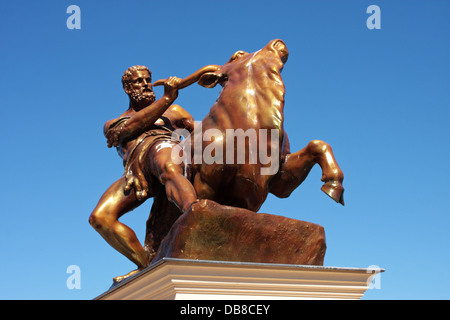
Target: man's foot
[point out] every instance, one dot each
(118, 279)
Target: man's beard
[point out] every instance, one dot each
(138, 97)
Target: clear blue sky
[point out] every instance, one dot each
(380, 98)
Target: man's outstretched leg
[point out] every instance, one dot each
(111, 206)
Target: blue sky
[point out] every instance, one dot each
(380, 98)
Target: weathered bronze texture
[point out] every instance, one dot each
(209, 231)
(252, 101)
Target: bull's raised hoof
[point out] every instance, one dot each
(334, 190)
(210, 231)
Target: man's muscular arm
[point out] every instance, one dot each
(112, 129)
(180, 118)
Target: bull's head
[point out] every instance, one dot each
(273, 56)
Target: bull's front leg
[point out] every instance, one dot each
(297, 166)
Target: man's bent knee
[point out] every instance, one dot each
(99, 220)
(169, 171)
(94, 221)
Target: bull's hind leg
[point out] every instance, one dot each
(297, 166)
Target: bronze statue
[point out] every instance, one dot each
(237, 155)
(143, 137)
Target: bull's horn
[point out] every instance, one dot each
(193, 78)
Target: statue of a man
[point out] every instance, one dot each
(143, 138)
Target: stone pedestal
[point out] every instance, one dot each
(220, 252)
(181, 279)
(210, 231)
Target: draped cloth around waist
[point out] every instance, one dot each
(140, 152)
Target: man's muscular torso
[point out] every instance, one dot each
(175, 117)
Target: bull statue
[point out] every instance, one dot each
(252, 101)
(239, 153)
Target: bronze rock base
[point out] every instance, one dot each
(209, 231)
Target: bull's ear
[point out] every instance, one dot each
(211, 79)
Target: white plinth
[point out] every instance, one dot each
(180, 279)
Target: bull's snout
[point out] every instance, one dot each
(280, 47)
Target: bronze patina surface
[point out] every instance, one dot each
(204, 208)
